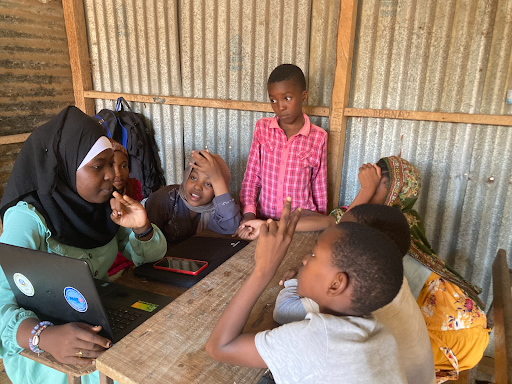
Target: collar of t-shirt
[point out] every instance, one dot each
(304, 131)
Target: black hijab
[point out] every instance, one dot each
(44, 175)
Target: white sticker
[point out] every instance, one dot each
(23, 284)
(75, 299)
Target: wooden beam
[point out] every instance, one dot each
(12, 139)
(502, 319)
(340, 97)
(254, 106)
(74, 18)
(445, 117)
(466, 118)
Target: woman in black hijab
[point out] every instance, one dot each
(60, 199)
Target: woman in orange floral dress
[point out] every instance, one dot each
(450, 305)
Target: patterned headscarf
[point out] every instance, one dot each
(404, 183)
(119, 147)
(403, 191)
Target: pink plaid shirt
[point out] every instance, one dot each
(281, 168)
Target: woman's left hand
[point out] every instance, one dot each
(127, 212)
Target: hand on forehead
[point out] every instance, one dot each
(203, 157)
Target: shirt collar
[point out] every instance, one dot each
(304, 131)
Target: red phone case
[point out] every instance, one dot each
(180, 270)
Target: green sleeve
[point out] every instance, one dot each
(141, 252)
(22, 227)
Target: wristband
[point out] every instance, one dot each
(145, 233)
(33, 342)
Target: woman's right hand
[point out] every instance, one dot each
(369, 177)
(64, 342)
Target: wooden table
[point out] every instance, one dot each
(169, 347)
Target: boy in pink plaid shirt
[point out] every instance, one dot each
(288, 153)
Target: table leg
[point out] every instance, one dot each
(104, 379)
(74, 379)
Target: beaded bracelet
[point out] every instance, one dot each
(33, 342)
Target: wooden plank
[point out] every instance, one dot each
(74, 18)
(463, 378)
(340, 98)
(444, 117)
(486, 365)
(74, 379)
(255, 106)
(105, 380)
(11, 139)
(501, 289)
(69, 369)
(169, 347)
(4, 379)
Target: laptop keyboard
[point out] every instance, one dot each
(120, 318)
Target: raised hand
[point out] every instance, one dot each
(274, 240)
(128, 213)
(206, 163)
(369, 178)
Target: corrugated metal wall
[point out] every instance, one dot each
(35, 74)
(216, 49)
(452, 56)
(449, 56)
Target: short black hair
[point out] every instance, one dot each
(288, 72)
(372, 263)
(388, 220)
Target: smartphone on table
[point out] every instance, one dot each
(176, 264)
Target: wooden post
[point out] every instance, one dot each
(502, 319)
(74, 18)
(340, 97)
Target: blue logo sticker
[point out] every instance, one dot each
(75, 299)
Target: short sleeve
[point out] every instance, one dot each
(295, 352)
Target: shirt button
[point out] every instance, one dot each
(90, 256)
(96, 273)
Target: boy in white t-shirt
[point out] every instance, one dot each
(402, 317)
(352, 271)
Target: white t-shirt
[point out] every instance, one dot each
(403, 318)
(327, 349)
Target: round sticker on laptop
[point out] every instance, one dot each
(75, 299)
(23, 284)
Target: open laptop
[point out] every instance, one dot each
(62, 290)
(214, 250)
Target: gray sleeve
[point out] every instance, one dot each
(289, 305)
(226, 218)
(293, 352)
(416, 274)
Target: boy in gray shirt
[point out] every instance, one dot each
(352, 271)
(402, 317)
